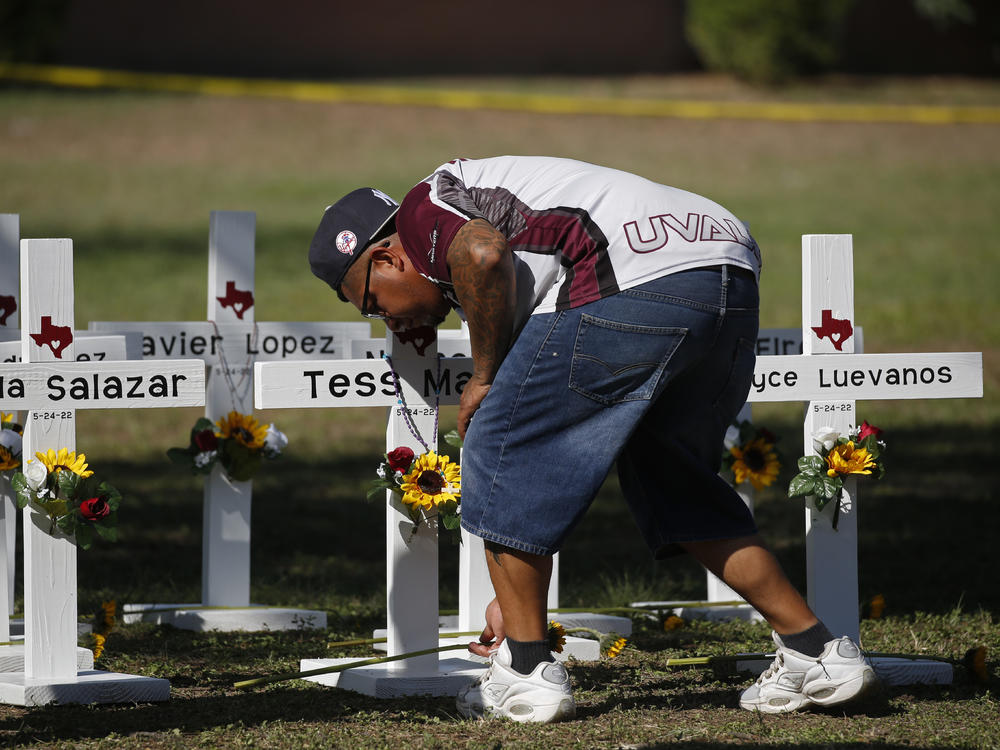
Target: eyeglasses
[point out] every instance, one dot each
(364, 299)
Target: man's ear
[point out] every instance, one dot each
(392, 256)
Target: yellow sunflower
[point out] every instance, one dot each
(243, 428)
(876, 607)
(105, 618)
(673, 623)
(8, 460)
(64, 459)
(433, 480)
(556, 637)
(5, 417)
(846, 459)
(616, 648)
(757, 462)
(99, 641)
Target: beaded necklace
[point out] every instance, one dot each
(410, 424)
(239, 391)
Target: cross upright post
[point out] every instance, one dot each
(831, 553)
(225, 567)
(51, 386)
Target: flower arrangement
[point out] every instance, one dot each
(66, 490)
(750, 455)
(237, 442)
(429, 485)
(838, 457)
(10, 445)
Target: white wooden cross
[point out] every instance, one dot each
(51, 386)
(230, 342)
(831, 377)
(87, 347)
(827, 375)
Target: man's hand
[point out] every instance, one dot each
(472, 395)
(493, 633)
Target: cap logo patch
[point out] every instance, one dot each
(347, 241)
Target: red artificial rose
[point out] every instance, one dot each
(94, 509)
(400, 459)
(767, 436)
(867, 429)
(206, 440)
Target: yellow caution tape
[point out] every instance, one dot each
(456, 99)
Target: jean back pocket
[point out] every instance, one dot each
(615, 362)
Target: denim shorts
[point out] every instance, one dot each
(650, 377)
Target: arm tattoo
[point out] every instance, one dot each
(482, 271)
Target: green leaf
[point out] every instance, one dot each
(812, 465)
(801, 485)
(108, 533)
(111, 495)
(829, 487)
(54, 508)
(19, 484)
(84, 536)
(68, 482)
(203, 423)
(451, 438)
(451, 521)
(67, 523)
(240, 462)
(378, 488)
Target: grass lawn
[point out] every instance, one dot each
(132, 178)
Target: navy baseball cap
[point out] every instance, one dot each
(346, 229)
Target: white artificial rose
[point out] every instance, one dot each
(275, 441)
(824, 439)
(35, 474)
(732, 437)
(204, 458)
(11, 441)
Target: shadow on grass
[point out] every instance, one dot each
(926, 541)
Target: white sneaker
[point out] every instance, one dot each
(795, 681)
(543, 696)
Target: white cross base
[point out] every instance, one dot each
(382, 681)
(87, 686)
(251, 618)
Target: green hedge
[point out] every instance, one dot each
(767, 41)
